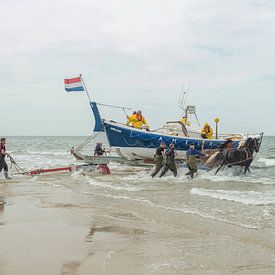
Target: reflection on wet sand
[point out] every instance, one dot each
(113, 229)
(2, 205)
(70, 268)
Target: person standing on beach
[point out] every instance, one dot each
(169, 162)
(3, 153)
(159, 156)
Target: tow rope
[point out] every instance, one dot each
(18, 169)
(104, 169)
(21, 171)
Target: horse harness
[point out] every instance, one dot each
(249, 156)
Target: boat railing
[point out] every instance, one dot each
(179, 131)
(125, 124)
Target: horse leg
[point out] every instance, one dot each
(247, 169)
(219, 168)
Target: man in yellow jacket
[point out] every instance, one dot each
(185, 121)
(207, 131)
(131, 119)
(137, 120)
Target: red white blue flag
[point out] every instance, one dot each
(73, 84)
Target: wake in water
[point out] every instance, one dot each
(247, 197)
(267, 162)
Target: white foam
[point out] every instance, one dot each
(114, 187)
(139, 200)
(233, 175)
(209, 216)
(247, 197)
(181, 210)
(48, 153)
(267, 162)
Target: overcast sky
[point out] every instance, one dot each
(138, 54)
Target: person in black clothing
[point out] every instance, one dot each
(169, 162)
(99, 150)
(3, 153)
(159, 156)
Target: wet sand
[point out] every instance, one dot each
(50, 228)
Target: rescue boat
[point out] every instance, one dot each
(133, 143)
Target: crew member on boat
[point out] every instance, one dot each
(185, 121)
(159, 157)
(137, 120)
(131, 119)
(207, 131)
(3, 154)
(99, 151)
(169, 161)
(191, 160)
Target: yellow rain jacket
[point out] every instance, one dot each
(137, 121)
(185, 121)
(207, 131)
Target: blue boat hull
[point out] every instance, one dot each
(128, 137)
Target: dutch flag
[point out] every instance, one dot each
(73, 84)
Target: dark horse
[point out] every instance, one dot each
(242, 156)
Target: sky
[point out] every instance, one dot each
(140, 54)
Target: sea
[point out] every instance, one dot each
(247, 201)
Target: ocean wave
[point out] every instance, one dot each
(234, 175)
(188, 211)
(48, 153)
(210, 216)
(247, 197)
(267, 162)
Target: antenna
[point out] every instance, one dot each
(180, 97)
(183, 97)
(189, 84)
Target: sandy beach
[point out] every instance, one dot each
(50, 228)
(137, 137)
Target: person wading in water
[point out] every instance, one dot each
(159, 156)
(169, 161)
(191, 160)
(3, 153)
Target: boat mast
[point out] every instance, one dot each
(85, 88)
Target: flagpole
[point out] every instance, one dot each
(85, 88)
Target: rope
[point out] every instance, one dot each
(124, 112)
(238, 162)
(18, 169)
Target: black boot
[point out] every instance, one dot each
(7, 176)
